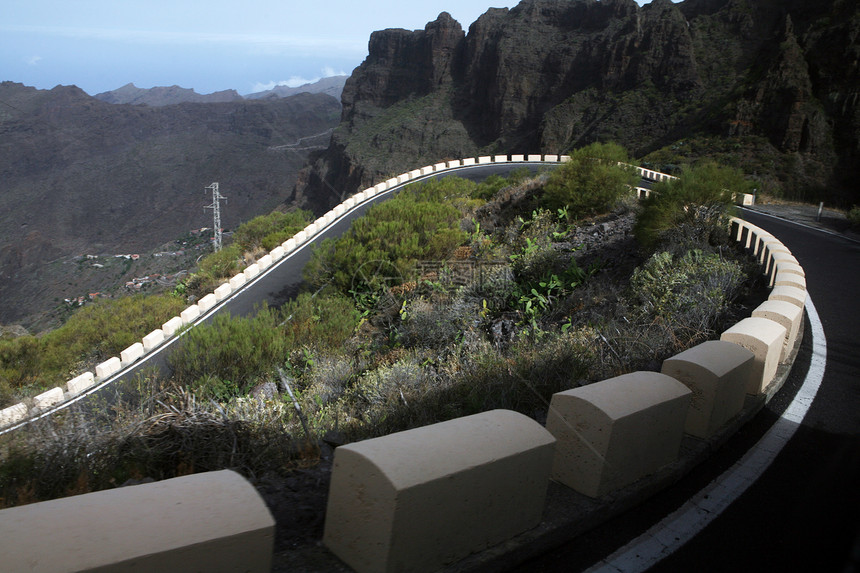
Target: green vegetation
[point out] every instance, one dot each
(591, 182)
(422, 223)
(93, 334)
(854, 217)
(691, 209)
(417, 315)
(252, 238)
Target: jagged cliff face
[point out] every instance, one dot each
(551, 75)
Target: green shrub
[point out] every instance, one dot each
(382, 247)
(229, 354)
(269, 231)
(686, 293)
(691, 209)
(591, 182)
(854, 217)
(92, 334)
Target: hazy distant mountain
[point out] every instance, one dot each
(158, 96)
(81, 176)
(332, 86)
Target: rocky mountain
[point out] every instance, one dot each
(159, 95)
(332, 86)
(772, 86)
(82, 176)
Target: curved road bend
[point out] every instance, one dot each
(279, 283)
(802, 514)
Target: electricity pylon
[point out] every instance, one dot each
(216, 214)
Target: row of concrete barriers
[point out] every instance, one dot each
(419, 499)
(56, 397)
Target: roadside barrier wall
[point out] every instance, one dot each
(213, 521)
(698, 392)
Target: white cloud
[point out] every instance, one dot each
(33, 60)
(296, 81)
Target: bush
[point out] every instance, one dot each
(92, 334)
(591, 182)
(269, 231)
(382, 247)
(690, 210)
(854, 217)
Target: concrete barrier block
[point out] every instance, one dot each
(517, 158)
(339, 210)
(535, 157)
(289, 245)
(453, 163)
(132, 353)
(207, 302)
(48, 399)
(758, 242)
(265, 261)
(469, 161)
(153, 339)
(768, 245)
(553, 158)
(251, 271)
(223, 291)
(564, 158)
(190, 314)
(328, 218)
(612, 433)
(416, 500)
(402, 178)
(788, 314)
(764, 338)
(790, 294)
(300, 237)
(440, 167)
(785, 278)
(392, 182)
(717, 372)
(782, 261)
(426, 170)
(237, 281)
(735, 226)
(380, 187)
(172, 326)
(745, 199)
(213, 521)
(414, 173)
(311, 230)
(12, 414)
(277, 253)
(80, 383)
(484, 159)
(500, 159)
(349, 203)
(361, 197)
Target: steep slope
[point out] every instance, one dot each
(756, 82)
(81, 176)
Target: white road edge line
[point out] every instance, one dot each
(670, 534)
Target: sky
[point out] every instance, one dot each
(207, 45)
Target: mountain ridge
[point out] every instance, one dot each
(171, 95)
(84, 176)
(769, 86)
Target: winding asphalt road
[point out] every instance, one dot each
(802, 513)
